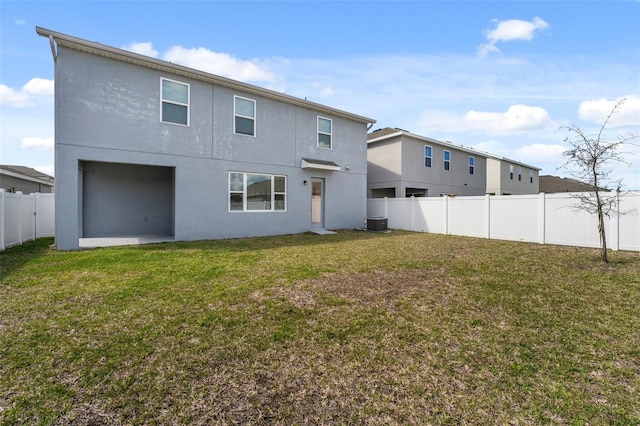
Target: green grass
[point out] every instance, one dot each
(352, 328)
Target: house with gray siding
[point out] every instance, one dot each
(404, 164)
(25, 179)
(145, 147)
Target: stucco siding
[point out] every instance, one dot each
(108, 122)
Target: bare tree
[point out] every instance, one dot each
(590, 160)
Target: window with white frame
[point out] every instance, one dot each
(324, 132)
(472, 165)
(447, 160)
(175, 102)
(530, 176)
(511, 171)
(256, 192)
(519, 173)
(427, 155)
(244, 111)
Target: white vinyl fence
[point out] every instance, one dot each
(539, 218)
(25, 217)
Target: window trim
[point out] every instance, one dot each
(244, 193)
(429, 157)
(511, 171)
(530, 176)
(446, 165)
(324, 133)
(519, 173)
(472, 165)
(187, 105)
(255, 112)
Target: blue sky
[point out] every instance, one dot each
(501, 77)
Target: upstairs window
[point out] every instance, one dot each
(427, 155)
(530, 176)
(244, 116)
(324, 132)
(175, 102)
(511, 171)
(519, 173)
(447, 160)
(472, 165)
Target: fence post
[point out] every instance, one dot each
(487, 199)
(20, 218)
(386, 207)
(2, 202)
(614, 225)
(446, 214)
(542, 200)
(413, 213)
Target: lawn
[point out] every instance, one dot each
(352, 328)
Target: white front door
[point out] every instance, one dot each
(317, 203)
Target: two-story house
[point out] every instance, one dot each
(148, 147)
(403, 164)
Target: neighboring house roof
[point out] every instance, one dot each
(550, 184)
(389, 132)
(27, 173)
(157, 64)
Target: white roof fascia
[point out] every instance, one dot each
(160, 65)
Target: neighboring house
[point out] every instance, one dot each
(508, 177)
(147, 147)
(550, 184)
(403, 164)
(25, 179)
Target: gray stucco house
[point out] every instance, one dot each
(404, 164)
(147, 147)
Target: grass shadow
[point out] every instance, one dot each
(14, 257)
(263, 243)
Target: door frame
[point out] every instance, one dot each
(317, 203)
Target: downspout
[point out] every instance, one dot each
(53, 48)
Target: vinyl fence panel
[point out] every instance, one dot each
(467, 216)
(565, 224)
(629, 222)
(25, 217)
(515, 217)
(45, 215)
(541, 218)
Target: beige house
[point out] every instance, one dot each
(403, 164)
(508, 177)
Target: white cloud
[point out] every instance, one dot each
(517, 119)
(9, 96)
(538, 153)
(511, 29)
(36, 87)
(515, 29)
(37, 143)
(597, 110)
(39, 87)
(19, 21)
(144, 48)
(218, 63)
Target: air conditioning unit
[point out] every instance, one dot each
(376, 224)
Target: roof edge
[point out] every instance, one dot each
(401, 132)
(158, 64)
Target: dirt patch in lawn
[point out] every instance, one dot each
(383, 289)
